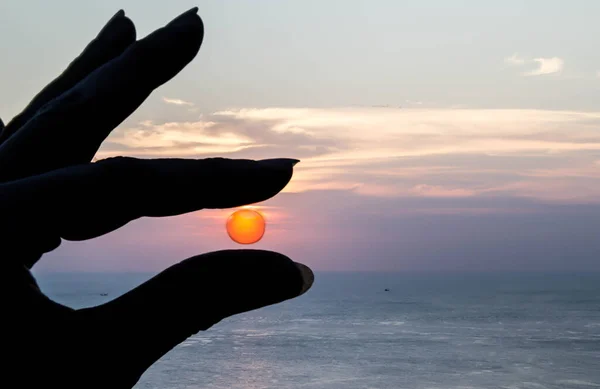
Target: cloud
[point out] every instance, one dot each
(382, 189)
(547, 66)
(544, 65)
(176, 101)
(385, 152)
(514, 59)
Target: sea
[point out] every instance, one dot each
(427, 331)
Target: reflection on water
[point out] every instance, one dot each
(452, 331)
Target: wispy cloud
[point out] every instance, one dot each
(384, 152)
(543, 65)
(177, 101)
(385, 188)
(514, 59)
(547, 66)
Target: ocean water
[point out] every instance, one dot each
(428, 331)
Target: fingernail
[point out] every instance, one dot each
(119, 29)
(120, 13)
(308, 277)
(279, 163)
(182, 19)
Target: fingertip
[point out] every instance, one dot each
(279, 163)
(248, 257)
(119, 14)
(125, 31)
(308, 277)
(189, 17)
(118, 29)
(292, 279)
(279, 171)
(176, 45)
(238, 182)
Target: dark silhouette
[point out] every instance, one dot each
(50, 191)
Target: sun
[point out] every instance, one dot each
(246, 226)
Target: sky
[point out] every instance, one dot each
(433, 135)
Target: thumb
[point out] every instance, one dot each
(150, 320)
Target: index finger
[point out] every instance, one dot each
(86, 114)
(88, 201)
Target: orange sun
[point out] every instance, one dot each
(246, 226)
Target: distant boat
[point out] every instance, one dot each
(387, 290)
(103, 294)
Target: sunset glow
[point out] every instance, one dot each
(464, 143)
(246, 226)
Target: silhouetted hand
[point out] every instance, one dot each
(50, 190)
